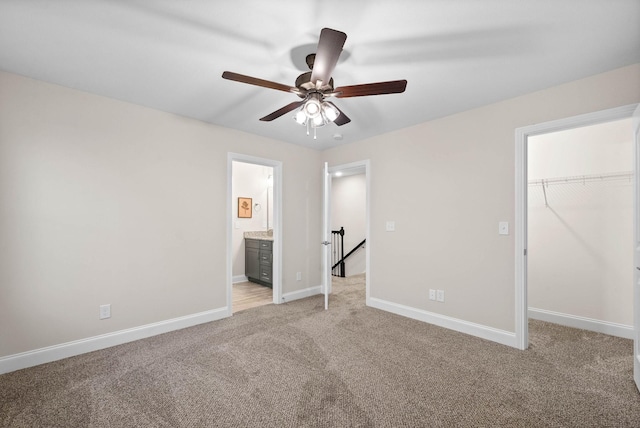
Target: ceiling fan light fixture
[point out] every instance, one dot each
(301, 117)
(330, 112)
(315, 113)
(312, 107)
(314, 86)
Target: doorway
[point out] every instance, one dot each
(580, 228)
(254, 202)
(252, 187)
(348, 222)
(525, 136)
(349, 210)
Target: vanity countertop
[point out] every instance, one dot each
(260, 234)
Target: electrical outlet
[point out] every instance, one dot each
(432, 294)
(105, 311)
(391, 226)
(440, 295)
(298, 276)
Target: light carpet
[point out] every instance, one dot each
(296, 365)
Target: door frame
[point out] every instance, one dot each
(326, 234)
(636, 246)
(521, 137)
(277, 223)
(365, 165)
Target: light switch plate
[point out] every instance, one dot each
(503, 228)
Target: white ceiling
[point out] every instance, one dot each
(455, 54)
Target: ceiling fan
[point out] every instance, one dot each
(316, 85)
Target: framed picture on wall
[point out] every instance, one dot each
(244, 208)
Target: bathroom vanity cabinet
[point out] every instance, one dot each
(259, 261)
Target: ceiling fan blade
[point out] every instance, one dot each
(284, 110)
(327, 54)
(229, 75)
(342, 119)
(380, 88)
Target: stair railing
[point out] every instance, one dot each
(338, 257)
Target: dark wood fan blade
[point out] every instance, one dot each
(329, 49)
(229, 75)
(380, 88)
(342, 119)
(284, 110)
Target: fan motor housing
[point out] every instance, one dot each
(304, 82)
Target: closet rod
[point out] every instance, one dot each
(625, 175)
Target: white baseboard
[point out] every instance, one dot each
(64, 350)
(301, 294)
(239, 278)
(482, 331)
(599, 326)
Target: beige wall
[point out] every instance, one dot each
(107, 202)
(580, 260)
(447, 183)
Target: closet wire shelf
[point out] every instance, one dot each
(624, 175)
(580, 179)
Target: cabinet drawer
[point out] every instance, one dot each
(266, 257)
(265, 273)
(251, 243)
(266, 245)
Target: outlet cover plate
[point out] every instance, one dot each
(440, 295)
(105, 311)
(432, 294)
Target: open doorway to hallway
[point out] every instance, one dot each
(348, 223)
(349, 218)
